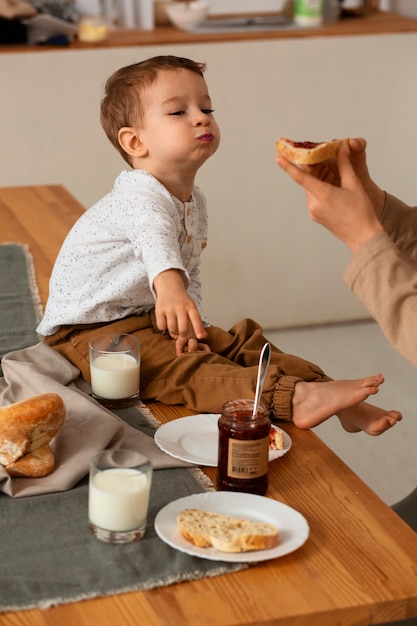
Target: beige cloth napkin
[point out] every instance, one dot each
(88, 426)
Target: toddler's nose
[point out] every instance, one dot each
(202, 119)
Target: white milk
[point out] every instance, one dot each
(118, 499)
(115, 376)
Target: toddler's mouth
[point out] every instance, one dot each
(205, 137)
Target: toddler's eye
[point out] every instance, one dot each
(177, 113)
(207, 111)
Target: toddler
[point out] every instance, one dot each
(131, 265)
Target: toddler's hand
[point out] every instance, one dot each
(190, 345)
(176, 312)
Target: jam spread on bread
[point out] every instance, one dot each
(305, 145)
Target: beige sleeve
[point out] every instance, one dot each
(400, 222)
(387, 285)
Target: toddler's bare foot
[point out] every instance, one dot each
(371, 419)
(313, 403)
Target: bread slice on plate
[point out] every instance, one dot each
(276, 439)
(226, 533)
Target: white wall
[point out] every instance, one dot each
(404, 7)
(265, 258)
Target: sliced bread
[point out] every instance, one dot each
(276, 439)
(308, 152)
(226, 533)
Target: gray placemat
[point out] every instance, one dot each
(48, 557)
(20, 307)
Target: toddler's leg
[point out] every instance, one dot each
(313, 403)
(204, 381)
(368, 418)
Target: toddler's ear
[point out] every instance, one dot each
(130, 141)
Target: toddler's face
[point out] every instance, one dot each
(178, 127)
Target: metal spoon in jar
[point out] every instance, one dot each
(262, 369)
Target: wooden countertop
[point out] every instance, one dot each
(376, 23)
(359, 565)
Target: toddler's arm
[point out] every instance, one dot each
(176, 312)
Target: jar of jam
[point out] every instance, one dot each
(243, 448)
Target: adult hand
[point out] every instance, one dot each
(329, 172)
(358, 159)
(346, 210)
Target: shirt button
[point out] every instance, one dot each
(204, 245)
(189, 239)
(188, 211)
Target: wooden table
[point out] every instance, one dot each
(359, 565)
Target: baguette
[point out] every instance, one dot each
(226, 533)
(35, 464)
(308, 152)
(28, 425)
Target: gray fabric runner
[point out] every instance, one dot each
(47, 555)
(20, 307)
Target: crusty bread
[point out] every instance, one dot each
(308, 152)
(276, 439)
(224, 532)
(28, 425)
(36, 464)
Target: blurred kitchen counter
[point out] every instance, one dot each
(374, 24)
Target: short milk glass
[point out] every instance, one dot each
(114, 368)
(118, 497)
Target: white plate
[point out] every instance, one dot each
(292, 526)
(195, 439)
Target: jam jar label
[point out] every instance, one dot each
(247, 459)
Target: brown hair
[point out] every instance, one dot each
(121, 105)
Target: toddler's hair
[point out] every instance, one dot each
(122, 102)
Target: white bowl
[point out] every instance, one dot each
(187, 15)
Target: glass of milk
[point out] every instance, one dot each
(118, 495)
(114, 368)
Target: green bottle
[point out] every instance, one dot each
(308, 12)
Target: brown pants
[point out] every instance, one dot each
(202, 381)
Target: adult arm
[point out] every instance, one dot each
(382, 270)
(387, 285)
(400, 222)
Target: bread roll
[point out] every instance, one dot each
(36, 464)
(308, 152)
(226, 533)
(28, 425)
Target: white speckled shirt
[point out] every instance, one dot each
(110, 258)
